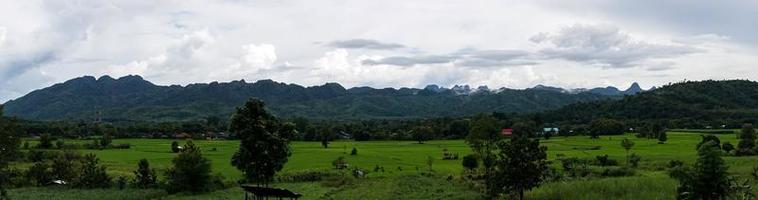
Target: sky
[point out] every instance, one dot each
(388, 43)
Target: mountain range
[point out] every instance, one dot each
(131, 98)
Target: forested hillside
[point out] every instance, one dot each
(684, 103)
(133, 98)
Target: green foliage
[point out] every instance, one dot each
(264, 146)
(9, 143)
(64, 167)
(627, 144)
(93, 174)
(521, 165)
(354, 151)
(45, 141)
(190, 171)
(144, 176)
(175, 147)
(470, 162)
(727, 147)
(707, 179)
(606, 127)
(709, 138)
(422, 133)
(339, 163)
(39, 173)
(634, 160)
(746, 146)
(106, 140)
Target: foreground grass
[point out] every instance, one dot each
(631, 188)
(82, 194)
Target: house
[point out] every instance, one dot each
(551, 131)
(506, 132)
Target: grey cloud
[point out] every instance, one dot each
(463, 57)
(365, 44)
(605, 46)
(17, 67)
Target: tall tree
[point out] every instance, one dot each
(484, 135)
(144, 176)
(746, 146)
(93, 173)
(627, 144)
(45, 141)
(264, 148)
(520, 165)
(9, 143)
(191, 171)
(709, 178)
(421, 133)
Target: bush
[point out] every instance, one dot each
(634, 159)
(190, 173)
(618, 172)
(122, 146)
(336, 181)
(306, 176)
(727, 147)
(175, 147)
(144, 176)
(39, 173)
(63, 168)
(354, 152)
(605, 161)
(470, 162)
(93, 174)
(121, 182)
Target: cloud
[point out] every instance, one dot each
(3, 32)
(259, 57)
(364, 44)
(464, 58)
(605, 46)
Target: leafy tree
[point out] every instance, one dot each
(264, 148)
(521, 164)
(325, 140)
(727, 147)
(64, 168)
(627, 144)
(662, 137)
(470, 162)
(39, 173)
(485, 132)
(93, 174)
(606, 127)
(709, 177)
(106, 140)
(45, 141)
(175, 147)
(429, 162)
(708, 138)
(144, 176)
(190, 173)
(9, 142)
(354, 151)
(422, 133)
(459, 128)
(746, 146)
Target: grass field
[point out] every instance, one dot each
(650, 182)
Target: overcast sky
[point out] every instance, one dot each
(499, 43)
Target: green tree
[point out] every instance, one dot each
(39, 172)
(746, 146)
(521, 164)
(64, 168)
(708, 138)
(45, 141)
(470, 162)
(422, 133)
(175, 147)
(662, 137)
(93, 174)
(106, 140)
(144, 176)
(627, 144)
(9, 143)
(709, 177)
(606, 127)
(190, 171)
(727, 147)
(264, 148)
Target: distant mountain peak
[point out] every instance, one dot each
(633, 89)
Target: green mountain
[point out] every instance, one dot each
(684, 102)
(133, 98)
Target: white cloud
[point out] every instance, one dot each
(3, 31)
(259, 57)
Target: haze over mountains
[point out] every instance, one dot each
(135, 99)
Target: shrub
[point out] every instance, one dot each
(39, 173)
(122, 146)
(45, 142)
(144, 176)
(727, 147)
(121, 182)
(470, 162)
(59, 144)
(305, 176)
(337, 181)
(175, 147)
(634, 160)
(340, 163)
(354, 152)
(605, 161)
(190, 173)
(618, 171)
(63, 168)
(93, 174)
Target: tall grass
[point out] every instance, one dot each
(632, 188)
